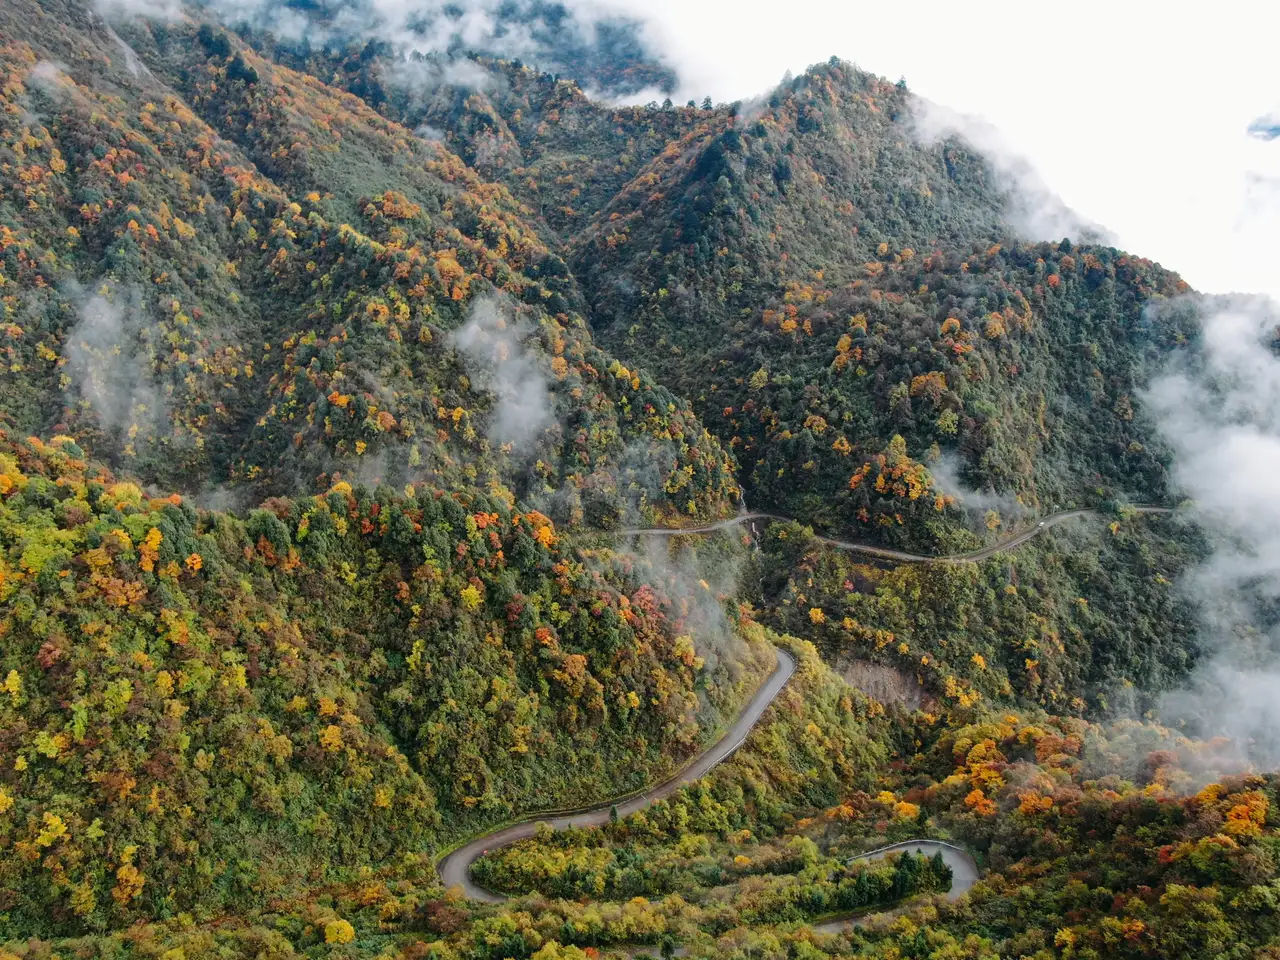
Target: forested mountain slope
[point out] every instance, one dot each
(820, 276)
(1085, 620)
(561, 153)
(821, 282)
(228, 278)
(204, 711)
(247, 276)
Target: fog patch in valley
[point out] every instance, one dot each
(422, 78)
(947, 480)
(221, 498)
(49, 91)
(492, 347)
(109, 363)
(425, 43)
(695, 582)
(51, 79)
(165, 11)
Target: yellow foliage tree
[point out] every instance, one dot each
(338, 930)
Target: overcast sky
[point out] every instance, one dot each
(1135, 113)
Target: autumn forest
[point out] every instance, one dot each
(446, 514)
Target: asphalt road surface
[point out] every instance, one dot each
(455, 868)
(964, 873)
(887, 553)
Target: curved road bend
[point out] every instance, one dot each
(964, 874)
(1052, 520)
(455, 868)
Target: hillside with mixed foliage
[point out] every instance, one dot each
(200, 282)
(843, 299)
(847, 311)
(1086, 619)
(203, 711)
(345, 348)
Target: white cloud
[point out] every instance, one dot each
(1034, 210)
(50, 79)
(163, 10)
(424, 78)
(1221, 416)
(491, 344)
(1267, 126)
(108, 362)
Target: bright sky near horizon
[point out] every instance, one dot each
(1135, 113)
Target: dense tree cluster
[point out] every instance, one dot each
(1085, 617)
(202, 710)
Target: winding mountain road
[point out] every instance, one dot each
(887, 553)
(455, 867)
(964, 874)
